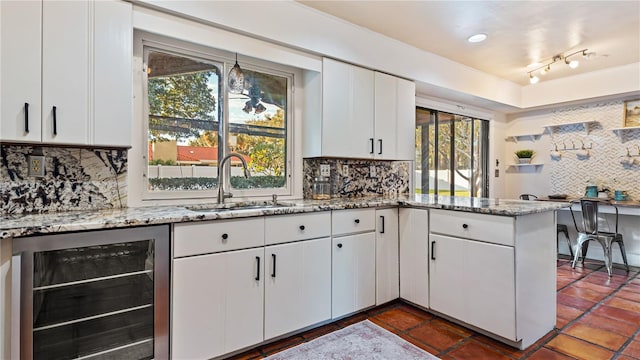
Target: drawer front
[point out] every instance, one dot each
(214, 236)
(488, 228)
(286, 228)
(352, 221)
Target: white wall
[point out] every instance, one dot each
(320, 33)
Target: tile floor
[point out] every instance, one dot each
(597, 318)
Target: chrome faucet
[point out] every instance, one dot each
(221, 194)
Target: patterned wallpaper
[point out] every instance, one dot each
(391, 180)
(75, 179)
(571, 172)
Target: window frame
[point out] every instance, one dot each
(483, 133)
(227, 59)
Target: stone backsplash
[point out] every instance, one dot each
(391, 177)
(75, 179)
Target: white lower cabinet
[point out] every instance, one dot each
(474, 281)
(353, 274)
(297, 286)
(496, 273)
(414, 255)
(217, 303)
(387, 261)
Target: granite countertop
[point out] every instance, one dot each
(504, 207)
(32, 224)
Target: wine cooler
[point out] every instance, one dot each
(91, 295)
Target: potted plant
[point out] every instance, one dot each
(524, 156)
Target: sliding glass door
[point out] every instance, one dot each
(451, 154)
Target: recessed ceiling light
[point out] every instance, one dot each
(477, 38)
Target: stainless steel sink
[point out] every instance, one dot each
(234, 207)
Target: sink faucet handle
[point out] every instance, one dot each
(274, 197)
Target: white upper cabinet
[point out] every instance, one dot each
(112, 81)
(65, 72)
(20, 74)
(395, 115)
(364, 114)
(347, 110)
(66, 79)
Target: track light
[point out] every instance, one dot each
(571, 63)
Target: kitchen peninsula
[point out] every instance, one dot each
(488, 264)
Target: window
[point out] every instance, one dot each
(451, 154)
(194, 120)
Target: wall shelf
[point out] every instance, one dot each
(520, 166)
(624, 129)
(518, 137)
(585, 125)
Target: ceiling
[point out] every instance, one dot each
(519, 32)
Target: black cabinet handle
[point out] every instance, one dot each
(273, 273)
(465, 226)
(357, 221)
(380, 141)
(26, 118)
(371, 140)
(258, 269)
(382, 230)
(433, 250)
(225, 236)
(340, 246)
(302, 227)
(55, 122)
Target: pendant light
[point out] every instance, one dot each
(236, 78)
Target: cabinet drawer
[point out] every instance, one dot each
(286, 228)
(352, 221)
(489, 228)
(214, 236)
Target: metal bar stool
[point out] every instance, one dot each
(591, 232)
(560, 228)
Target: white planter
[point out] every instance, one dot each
(524, 160)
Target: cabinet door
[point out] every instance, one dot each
(394, 118)
(20, 70)
(297, 286)
(474, 282)
(217, 303)
(65, 71)
(385, 116)
(353, 285)
(113, 87)
(387, 266)
(405, 120)
(414, 256)
(347, 110)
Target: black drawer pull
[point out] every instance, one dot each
(371, 140)
(433, 250)
(465, 226)
(55, 121)
(382, 230)
(26, 118)
(225, 236)
(380, 141)
(357, 221)
(302, 227)
(340, 246)
(258, 269)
